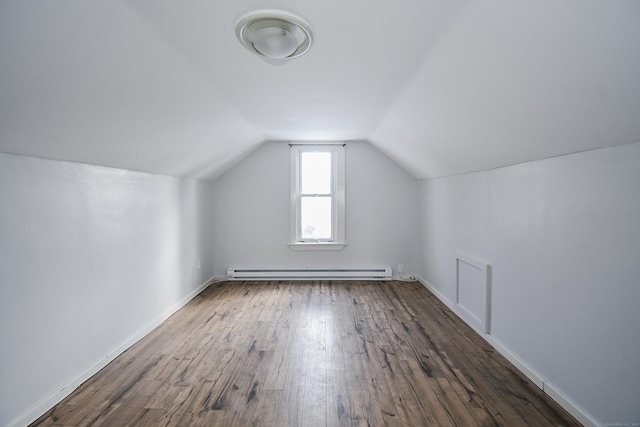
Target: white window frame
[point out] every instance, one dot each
(338, 183)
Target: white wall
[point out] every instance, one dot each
(252, 213)
(563, 237)
(90, 258)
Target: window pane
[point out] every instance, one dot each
(316, 217)
(315, 172)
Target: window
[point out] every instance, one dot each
(317, 196)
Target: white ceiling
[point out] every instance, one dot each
(441, 86)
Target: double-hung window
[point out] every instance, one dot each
(317, 196)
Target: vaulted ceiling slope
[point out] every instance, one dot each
(441, 86)
(515, 81)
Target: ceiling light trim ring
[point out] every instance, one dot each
(252, 30)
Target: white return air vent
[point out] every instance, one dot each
(379, 273)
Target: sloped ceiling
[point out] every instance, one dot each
(441, 86)
(511, 82)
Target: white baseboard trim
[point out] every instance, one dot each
(529, 372)
(67, 388)
(568, 404)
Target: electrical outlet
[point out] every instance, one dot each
(400, 269)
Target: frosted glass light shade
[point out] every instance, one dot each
(274, 42)
(274, 34)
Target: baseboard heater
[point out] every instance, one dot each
(380, 273)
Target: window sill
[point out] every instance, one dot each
(317, 246)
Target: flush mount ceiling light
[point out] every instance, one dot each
(274, 34)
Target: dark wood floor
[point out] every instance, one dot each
(310, 354)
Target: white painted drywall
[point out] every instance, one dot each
(89, 258)
(252, 213)
(563, 238)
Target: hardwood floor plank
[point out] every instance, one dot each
(433, 412)
(314, 409)
(452, 403)
(338, 407)
(316, 353)
(175, 401)
(407, 403)
(296, 351)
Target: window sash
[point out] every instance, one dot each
(331, 230)
(336, 194)
(301, 196)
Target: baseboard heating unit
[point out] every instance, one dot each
(379, 273)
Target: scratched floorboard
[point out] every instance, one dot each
(310, 354)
